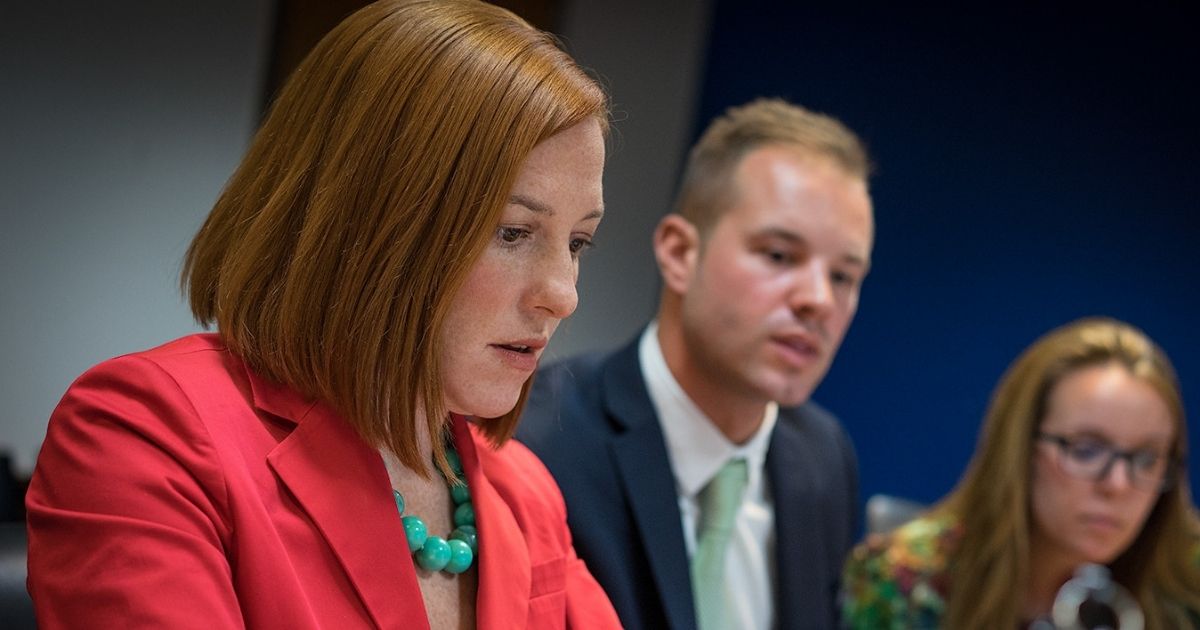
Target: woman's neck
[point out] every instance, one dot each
(1048, 571)
(449, 599)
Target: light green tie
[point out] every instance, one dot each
(719, 502)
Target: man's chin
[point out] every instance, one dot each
(791, 401)
(788, 394)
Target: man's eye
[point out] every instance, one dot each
(843, 279)
(778, 257)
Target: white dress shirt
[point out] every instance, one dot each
(697, 450)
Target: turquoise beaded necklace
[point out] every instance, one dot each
(434, 553)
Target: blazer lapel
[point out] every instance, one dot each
(798, 544)
(505, 574)
(640, 452)
(342, 484)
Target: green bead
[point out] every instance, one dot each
(434, 555)
(464, 514)
(467, 534)
(454, 460)
(415, 531)
(460, 556)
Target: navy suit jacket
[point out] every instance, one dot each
(591, 422)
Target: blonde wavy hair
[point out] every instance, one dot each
(992, 501)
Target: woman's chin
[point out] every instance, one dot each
(486, 410)
(1100, 554)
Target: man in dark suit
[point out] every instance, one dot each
(703, 489)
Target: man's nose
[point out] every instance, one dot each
(812, 292)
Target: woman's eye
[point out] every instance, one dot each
(1088, 451)
(1146, 460)
(511, 235)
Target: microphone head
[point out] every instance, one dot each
(1093, 601)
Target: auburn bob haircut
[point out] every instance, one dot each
(377, 178)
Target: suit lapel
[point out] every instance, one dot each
(342, 485)
(640, 453)
(505, 574)
(798, 545)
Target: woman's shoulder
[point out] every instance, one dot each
(182, 359)
(163, 375)
(900, 579)
(195, 377)
(181, 403)
(920, 546)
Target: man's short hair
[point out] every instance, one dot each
(707, 186)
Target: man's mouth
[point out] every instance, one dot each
(800, 346)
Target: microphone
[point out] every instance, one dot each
(1093, 601)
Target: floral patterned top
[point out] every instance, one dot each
(898, 581)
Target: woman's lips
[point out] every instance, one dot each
(1101, 522)
(521, 354)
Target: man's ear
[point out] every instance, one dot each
(677, 249)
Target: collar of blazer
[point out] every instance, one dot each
(341, 483)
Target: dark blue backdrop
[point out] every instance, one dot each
(1032, 169)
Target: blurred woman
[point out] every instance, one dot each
(1081, 460)
(384, 270)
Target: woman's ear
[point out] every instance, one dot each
(677, 250)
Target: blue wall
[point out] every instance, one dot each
(1031, 170)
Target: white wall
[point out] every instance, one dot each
(119, 123)
(650, 57)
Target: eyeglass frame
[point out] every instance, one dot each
(1170, 467)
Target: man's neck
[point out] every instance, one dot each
(737, 417)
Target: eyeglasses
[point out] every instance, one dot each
(1092, 459)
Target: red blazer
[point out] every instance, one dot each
(177, 489)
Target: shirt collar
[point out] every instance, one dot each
(697, 449)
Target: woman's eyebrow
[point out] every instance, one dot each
(540, 208)
(532, 204)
